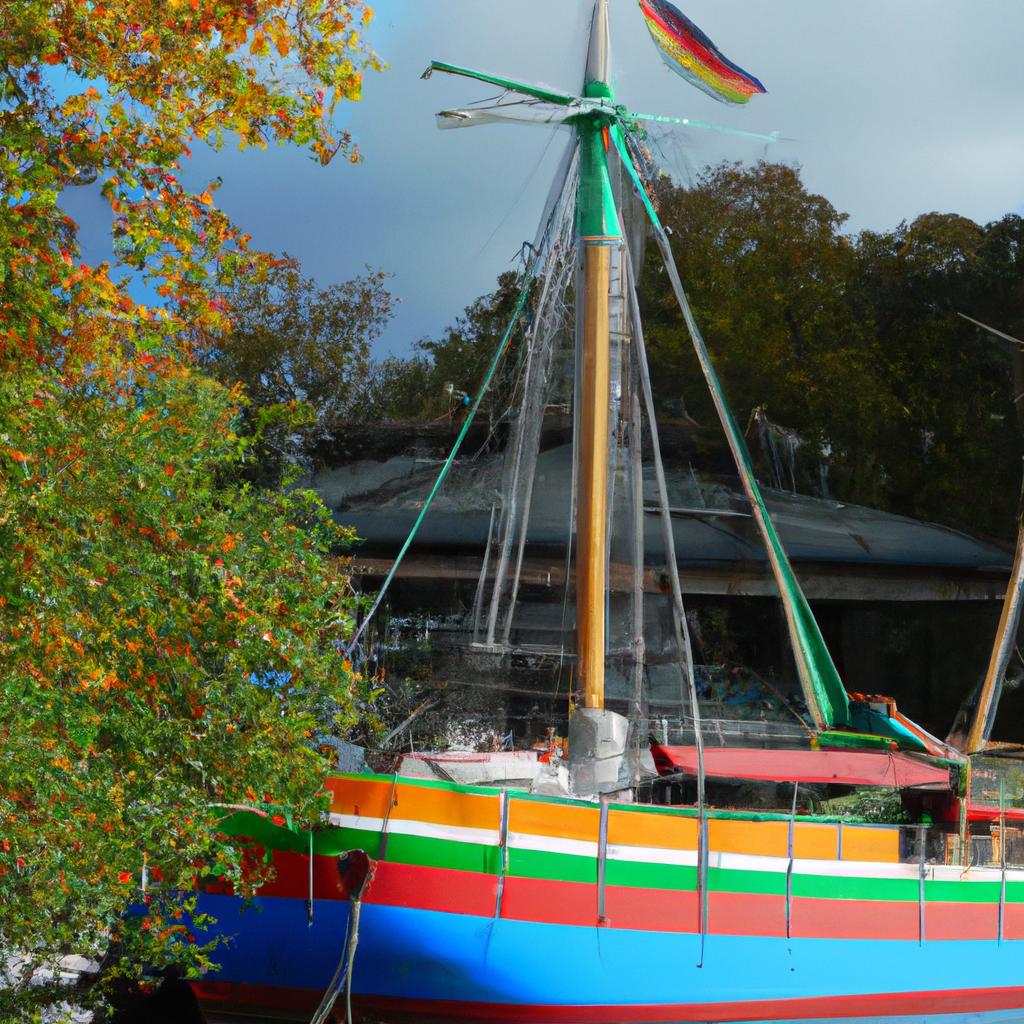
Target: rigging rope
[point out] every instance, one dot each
(824, 692)
(524, 295)
(679, 620)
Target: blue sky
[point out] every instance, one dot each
(896, 108)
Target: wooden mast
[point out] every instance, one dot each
(598, 225)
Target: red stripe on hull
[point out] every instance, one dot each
(1013, 921)
(293, 877)
(452, 892)
(880, 1005)
(235, 997)
(856, 919)
(538, 899)
(576, 903)
(952, 921)
(659, 910)
(738, 913)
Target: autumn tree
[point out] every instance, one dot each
(168, 636)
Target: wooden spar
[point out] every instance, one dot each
(1002, 651)
(598, 228)
(1009, 620)
(592, 514)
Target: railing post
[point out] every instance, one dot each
(602, 857)
(504, 801)
(789, 866)
(922, 842)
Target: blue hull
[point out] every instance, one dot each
(442, 965)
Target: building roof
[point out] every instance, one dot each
(840, 551)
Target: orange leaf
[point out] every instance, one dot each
(169, 469)
(16, 455)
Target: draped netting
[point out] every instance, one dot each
(520, 626)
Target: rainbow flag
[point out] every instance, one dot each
(689, 53)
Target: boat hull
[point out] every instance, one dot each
(485, 905)
(431, 965)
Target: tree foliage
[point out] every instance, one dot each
(167, 635)
(302, 351)
(168, 645)
(441, 372)
(852, 340)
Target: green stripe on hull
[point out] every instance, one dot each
(356, 839)
(442, 853)
(677, 877)
(833, 887)
(961, 892)
(558, 867)
(770, 883)
(567, 867)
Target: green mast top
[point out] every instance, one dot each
(598, 219)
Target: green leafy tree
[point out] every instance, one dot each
(429, 384)
(396, 388)
(949, 448)
(853, 341)
(462, 354)
(168, 636)
(766, 265)
(168, 645)
(302, 352)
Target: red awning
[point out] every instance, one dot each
(991, 813)
(842, 767)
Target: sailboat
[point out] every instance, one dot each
(578, 903)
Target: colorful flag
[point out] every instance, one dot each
(689, 53)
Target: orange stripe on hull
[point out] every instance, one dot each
(560, 821)
(763, 838)
(812, 841)
(646, 827)
(864, 843)
(661, 831)
(373, 798)
(367, 797)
